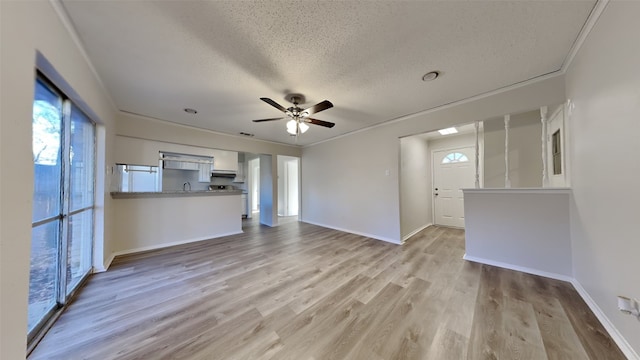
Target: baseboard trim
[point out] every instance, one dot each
(105, 265)
(393, 241)
(622, 343)
(409, 235)
(519, 268)
(173, 243)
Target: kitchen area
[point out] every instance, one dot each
(168, 194)
(222, 172)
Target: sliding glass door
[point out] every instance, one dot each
(79, 235)
(63, 202)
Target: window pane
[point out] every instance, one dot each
(47, 126)
(454, 158)
(82, 154)
(138, 178)
(44, 273)
(79, 247)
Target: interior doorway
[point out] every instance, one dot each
(417, 188)
(453, 170)
(288, 188)
(253, 187)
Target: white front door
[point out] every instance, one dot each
(453, 170)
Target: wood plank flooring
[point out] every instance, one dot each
(300, 291)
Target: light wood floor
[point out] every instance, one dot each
(299, 291)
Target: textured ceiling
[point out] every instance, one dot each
(367, 57)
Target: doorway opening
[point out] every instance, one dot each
(434, 167)
(288, 188)
(253, 186)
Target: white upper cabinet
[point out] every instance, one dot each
(224, 160)
(240, 174)
(136, 151)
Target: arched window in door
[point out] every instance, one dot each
(455, 157)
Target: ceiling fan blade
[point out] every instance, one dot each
(272, 119)
(274, 104)
(318, 107)
(320, 122)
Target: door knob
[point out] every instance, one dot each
(436, 194)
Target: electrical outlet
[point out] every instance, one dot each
(628, 306)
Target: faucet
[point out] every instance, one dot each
(184, 186)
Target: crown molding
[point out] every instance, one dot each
(61, 11)
(589, 24)
(191, 127)
(597, 10)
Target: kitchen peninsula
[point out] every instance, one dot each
(160, 197)
(151, 220)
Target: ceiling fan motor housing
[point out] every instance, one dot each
(295, 99)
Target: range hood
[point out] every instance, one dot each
(223, 173)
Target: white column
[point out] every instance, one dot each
(477, 126)
(507, 180)
(545, 166)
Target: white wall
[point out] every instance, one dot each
(268, 190)
(415, 185)
(452, 142)
(359, 197)
(141, 127)
(525, 151)
(27, 27)
(152, 223)
(519, 229)
(603, 82)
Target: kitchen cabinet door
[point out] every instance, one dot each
(136, 151)
(225, 160)
(243, 198)
(204, 173)
(239, 174)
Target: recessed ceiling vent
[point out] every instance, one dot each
(430, 76)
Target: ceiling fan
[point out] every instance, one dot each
(299, 117)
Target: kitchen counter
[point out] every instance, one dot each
(174, 193)
(152, 220)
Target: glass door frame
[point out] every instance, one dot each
(63, 296)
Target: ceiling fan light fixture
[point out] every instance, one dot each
(295, 127)
(292, 127)
(303, 127)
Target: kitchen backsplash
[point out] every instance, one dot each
(174, 179)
